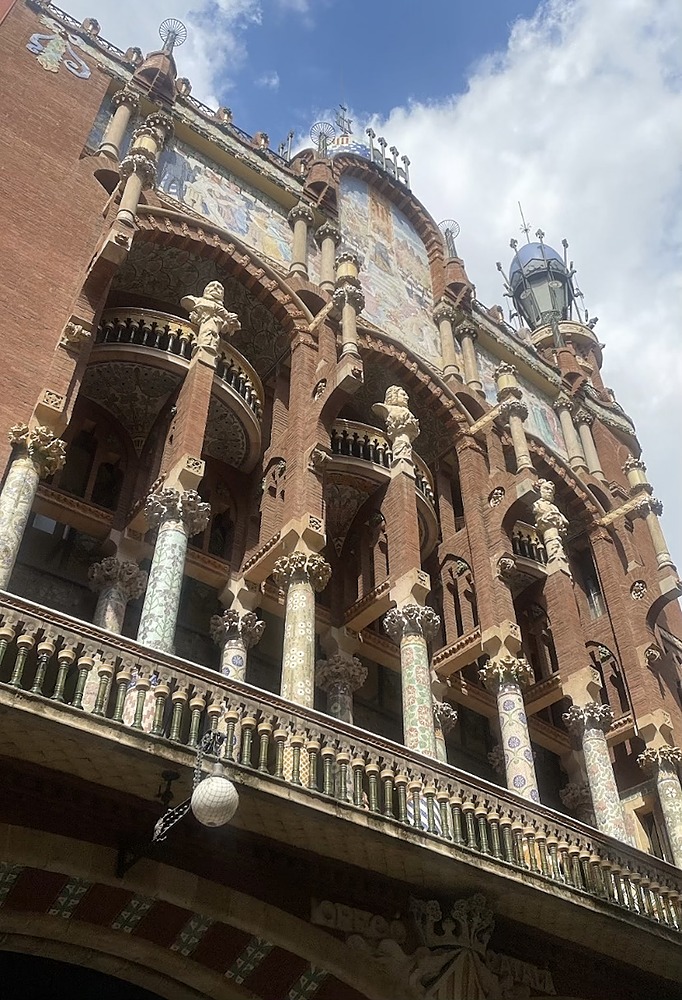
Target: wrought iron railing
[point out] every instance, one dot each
(65, 661)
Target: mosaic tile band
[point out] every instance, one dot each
(418, 725)
(518, 753)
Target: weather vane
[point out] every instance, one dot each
(343, 121)
(525, 228)
(173, 33)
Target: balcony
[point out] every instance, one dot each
(97, 705)
(160, 347)
(364, 450)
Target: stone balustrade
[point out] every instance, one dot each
(46, 657)
(169, 334)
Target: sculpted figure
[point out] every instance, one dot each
(547, 514)
(402, 427)
(209, 314)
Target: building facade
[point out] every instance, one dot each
(281, 497)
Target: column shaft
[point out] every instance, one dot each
(162, 600)
(327, 263)
(300, 575)
(576, 457)
(418, 726)
(16, 501)
(504, 675)
(300, 248)
(663, 557)
(111, 609)
(590, 449)
(113, 137)
(470, 362)
(519, 442)
(670, 797)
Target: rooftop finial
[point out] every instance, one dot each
(525, 228)
(173, 33)
(343, 121)
(450, 230)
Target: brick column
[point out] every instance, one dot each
(466, 334)
(662, 763)
(444, 315)
(37, 453)
(300, 218)
(589, 724)
(411, 626)
(125, 102)
(117, 582)
(505, 675)
(327, 237)
(576, 456)
(300, 576)
(339, 676)
(178, 516)
(235, 633)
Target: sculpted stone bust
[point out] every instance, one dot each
(209, 314)
(402, 427)
(547, 514)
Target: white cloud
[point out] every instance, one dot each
(579, 119)
(269, 80)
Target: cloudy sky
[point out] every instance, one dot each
(573, 107)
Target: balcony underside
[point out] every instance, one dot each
(64, 739)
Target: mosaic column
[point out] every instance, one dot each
(124, 102)
(300, 218)
(444, 720)
(235, 633)
(300, 575)
(339, 676)
(178, 516)
(411, 626)
(117, 582)
(467, 335)
(505, 676)
(590, 724)
(663, 763)
(327, 237)
(37, 454)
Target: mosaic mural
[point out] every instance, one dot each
(542, 421)
(395, 272)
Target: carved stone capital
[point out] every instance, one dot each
(591, 716)
(506, 669)
(348, 256)
(139, 162)
(126, 576)
(301, 211)
(338, 669)
(171, 505)
(328, 231)
(162, 125)
(233, 624)
(412, 619)
(47, 452)
(444, 716)
(504, 369)
(655, 759)
(444, 311)
(513, 408)
(583, 416)
(562, 402)
(634, 463)
(347, 293)
(128, 98)
(73, 335)
(466, 329)
(576, 796)
(298, 567)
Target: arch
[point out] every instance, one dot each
(168, 227)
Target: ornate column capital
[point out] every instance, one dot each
(411, 619)
(576, 796)
(73, 335)
(444, 310)
(339, 669)
(349, 294)
(129, 98)
(444, 716)
(162, 125)
(328, 231)
(655, 759)
(348, 256)
(126, 576)
(583, 416)
(139, 162)
(562, 402)
(299, 566)
(506, 669)
(594, 715)
(504, 368)
(232, 625)
(301, 211)
(466, 329)
(633, 463)
(171, 505)
(513, 407)
(47, 452)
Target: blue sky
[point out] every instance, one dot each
(572, 107)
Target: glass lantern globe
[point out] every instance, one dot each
(214, 801)
(540, 284)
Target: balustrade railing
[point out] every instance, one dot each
(527, 543)
(63, 661)
(356, 440)
(237, 373)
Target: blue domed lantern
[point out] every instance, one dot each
(541, 284)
